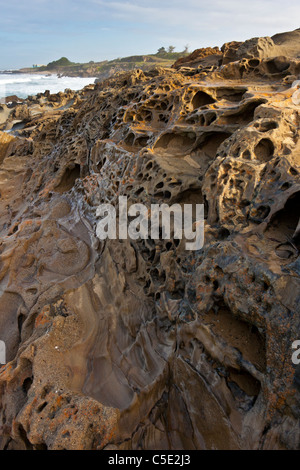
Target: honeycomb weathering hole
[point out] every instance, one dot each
(68, 179)
(244, 114)
(264, 150)
(285, 222)
(254, 62)
(277, 65)
(178, 143)
(266, 126)
(245, 382)
(231, 94)
(192, 196)
(239, 334)
(201, 99)
(212, 142)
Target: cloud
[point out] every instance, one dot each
(188, 15)
(191, 13)
(114, 28)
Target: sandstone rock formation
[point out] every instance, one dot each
(284, 44)
(141, 344)
(204, 56)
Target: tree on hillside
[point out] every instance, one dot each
(161, 50)
(186, 49)
(171, 49)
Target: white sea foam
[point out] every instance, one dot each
(24, 85)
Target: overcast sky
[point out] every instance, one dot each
(39, 31)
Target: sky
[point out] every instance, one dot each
(40, 31)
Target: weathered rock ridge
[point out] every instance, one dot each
(141, 344)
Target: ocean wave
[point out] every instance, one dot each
(24, 85)
(18, 79)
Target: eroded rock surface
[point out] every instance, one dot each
(141, 344)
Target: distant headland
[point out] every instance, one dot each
(164, 57)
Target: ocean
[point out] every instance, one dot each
(23, 85)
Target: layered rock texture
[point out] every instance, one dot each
(141, 344)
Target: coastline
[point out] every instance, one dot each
(17, 89)
(103, 69)
(20, 71)
(17, 115)
(29, 71)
